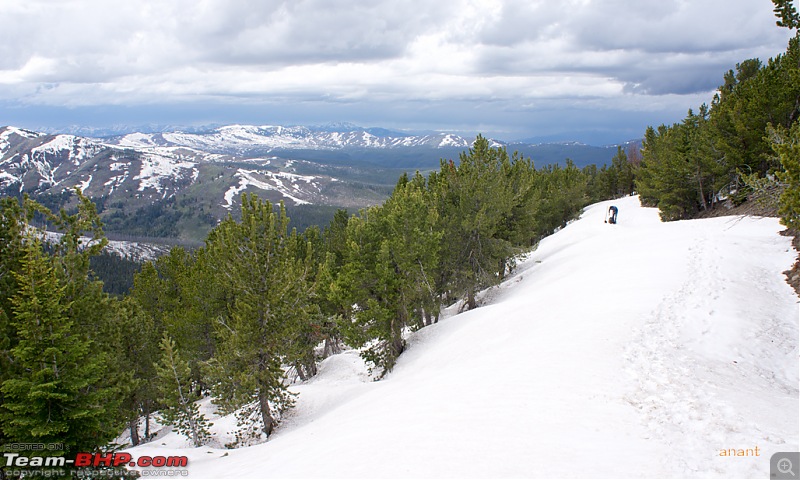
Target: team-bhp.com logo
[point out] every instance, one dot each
(116, 461)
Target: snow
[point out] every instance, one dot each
(452, 141)
(137, 140)
(6, 132)
(640, 349)
(156, 168)
(246, 137)
(58, 143)
(140, 252)
(283, 182)
(85, 184)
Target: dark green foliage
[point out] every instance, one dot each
(116, 272)
(681, 171)
(159, 219)
(691, 166)
(12, 234)
(268, 275)
(58, 340)
(474, 202)
(178, 395)
(562, 193)
(388, 266)
(754, 97)
(305, 216)
(786, 13)
(135, 353)
(786, 144)
(52, 399)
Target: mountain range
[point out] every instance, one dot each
(180, 183)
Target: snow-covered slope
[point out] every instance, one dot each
(241, 139)
(640, 349)
(136, 251)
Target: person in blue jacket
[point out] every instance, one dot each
(612, 214)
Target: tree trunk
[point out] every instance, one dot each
(300, 372)
(134, 426)
(331, 347)
(266, 415)
(147, 423)
(195, 433)
(397, 335)
(702, 193)
(471, 304)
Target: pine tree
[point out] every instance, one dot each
(786, 144)
(682, 171)
(178, 395)
(753, 97)
(270, 298)
(561, 193)
(12, 234)
(474, 203)
(623, 174)
(137, 350)
(786, 13)
(388, 273)
(54, 397)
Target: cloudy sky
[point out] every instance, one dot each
(597, 71)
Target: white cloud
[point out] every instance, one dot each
(95, 52)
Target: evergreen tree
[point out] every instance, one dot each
(474, 202)
(389, 272)
(681, 171)
(561, 193)
(754, 97)
(787, 14)
(57, 333)
(54, 397)
(137, 351)
(12, 234)
(623, 184)
(786, 144)
(271, 299)
(178, 395)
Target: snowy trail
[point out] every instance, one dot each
(634, 350)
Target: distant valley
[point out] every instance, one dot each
(177, 185)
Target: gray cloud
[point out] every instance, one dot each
(652, 47)
(509, 59)
(291, 32)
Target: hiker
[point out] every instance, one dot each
(612, 214)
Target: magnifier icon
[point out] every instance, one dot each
(785, 466)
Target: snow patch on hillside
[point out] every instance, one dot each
(85, 184)
(158, 168)
(290, 185)
(6, 132)
(136, 251)
(137, 140)
(76, 149)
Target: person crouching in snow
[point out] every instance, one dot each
(612, 214)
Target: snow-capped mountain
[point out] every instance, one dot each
(251, 139)
(189, 180)
(141, 168)
(38, 163)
